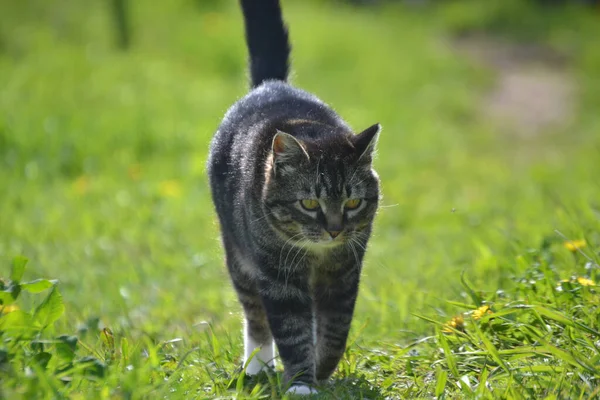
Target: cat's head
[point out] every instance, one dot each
(322, 192)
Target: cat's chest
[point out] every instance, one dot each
(328, 265)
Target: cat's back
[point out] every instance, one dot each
(275, 101)
(249, 124)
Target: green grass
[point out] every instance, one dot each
(103, 185)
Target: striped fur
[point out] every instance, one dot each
(296, 270)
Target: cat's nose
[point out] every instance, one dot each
(334, 234)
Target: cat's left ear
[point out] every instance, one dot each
(365, 142)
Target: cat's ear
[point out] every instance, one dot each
(287, 149)
(365, 142)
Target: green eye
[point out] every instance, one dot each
(352, 204)
(309, 204)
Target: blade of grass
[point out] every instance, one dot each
(558, 317)
(575, 360)
(450, 359)
(490, 348)
(476, 299)
(442, 376)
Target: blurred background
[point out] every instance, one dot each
(491, 117)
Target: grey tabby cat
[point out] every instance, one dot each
(296, 194)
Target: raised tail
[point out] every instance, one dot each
(267, 40)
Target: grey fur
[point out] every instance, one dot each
(285, 267)
(294, 264)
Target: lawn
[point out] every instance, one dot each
(480, 279)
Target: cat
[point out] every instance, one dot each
(296, 194)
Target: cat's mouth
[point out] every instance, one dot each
(327, 240)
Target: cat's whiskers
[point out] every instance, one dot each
(287, 271)
(351, 245)
(290, 271)
(300, 248)
(263, 217)
(279, 265)
(292, 246)
(262, 208)
(363, 246)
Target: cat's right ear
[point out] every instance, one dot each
(366, 141)
(287, 150)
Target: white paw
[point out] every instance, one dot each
(301, 390)
(255, 366)
(258, 358)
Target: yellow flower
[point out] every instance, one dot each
(8, 309)
(481, 311)
(585, 281)
(574, 245)
(456, 323)
(170, 188)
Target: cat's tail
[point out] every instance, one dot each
(267, 40)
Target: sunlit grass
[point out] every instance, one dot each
(102, 175)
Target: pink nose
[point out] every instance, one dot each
(334, 234)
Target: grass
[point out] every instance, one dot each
(102, 156)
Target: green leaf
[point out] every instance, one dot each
(124, 349)
(18, 268)
(491, 348)
(17, 321)
(442, 376)
(461, 305)
(573, 357)
(450, 360)
(42, 359)
(425, 318)
(476, 299)
(481, 386)
(66, 348)
(239, 386)
(6, 296)
(10, 293)
(50, 309)
(558, 317)
(92, 367)
(38, 285)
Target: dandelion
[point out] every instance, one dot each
(8, 309)
(457, 323)
(568, 283)
(585, 281)
(481, 311)
(574, 245)
(170, 188)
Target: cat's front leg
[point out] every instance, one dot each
(288, 305)
(335, 297)
(259, 352)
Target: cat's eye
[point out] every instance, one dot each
(352, 204)
(310, 204)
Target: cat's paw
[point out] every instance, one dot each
(255, 368)
(301, 390)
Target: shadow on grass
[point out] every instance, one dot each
(350, 387)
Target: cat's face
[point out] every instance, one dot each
(322, 194)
